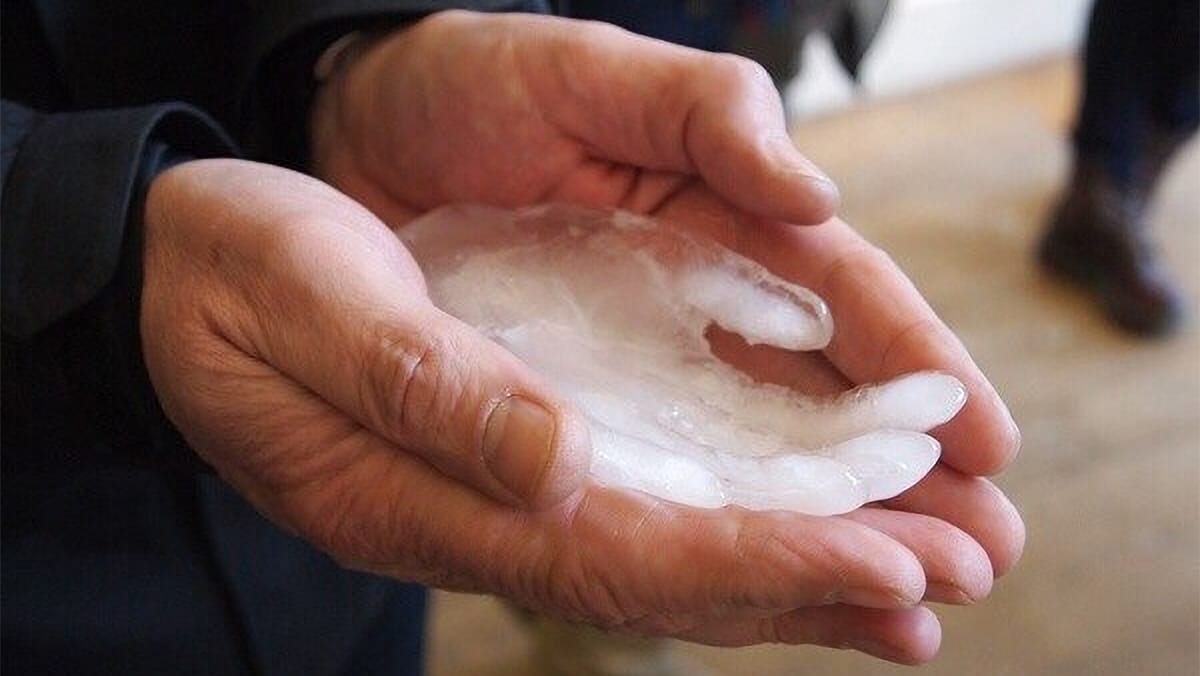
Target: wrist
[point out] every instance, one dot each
(333, 75)
(340, 54)
(276, 125)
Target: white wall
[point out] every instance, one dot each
(925, 43)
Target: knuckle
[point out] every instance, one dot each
(411, 385)
(742, 73)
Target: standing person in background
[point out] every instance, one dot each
(771, 32)
(1140, 104)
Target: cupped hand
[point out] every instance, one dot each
(512, 110)
(266, 289)
(289, 337)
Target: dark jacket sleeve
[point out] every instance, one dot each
(74, 385)
(75, 388)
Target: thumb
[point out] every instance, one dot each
(684, 110)
(437, 388)
(734, 132)
(312, 285)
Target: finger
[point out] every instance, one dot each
(883, 328)
(957, 569)
(364, 339)
(734, 133)
(434, 386)
(613, 555)
(682, 110)
(905, 635)
(974, 505)
(607, 557)
(702, 561)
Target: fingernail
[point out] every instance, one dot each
(785, 154)
(879, 598)
(517, 444)
(819, 195)
(948, 593)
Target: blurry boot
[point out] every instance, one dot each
(1097, 238)
(1161, 148)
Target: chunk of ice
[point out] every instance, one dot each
(612, 308)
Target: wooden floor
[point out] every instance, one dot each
(956, 184)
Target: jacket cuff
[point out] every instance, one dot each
(66, 201)
(143, 434)
(76, 390)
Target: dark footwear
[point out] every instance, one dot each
(1097, 240)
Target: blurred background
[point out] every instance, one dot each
(952, 152)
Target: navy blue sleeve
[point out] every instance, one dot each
(74, 385)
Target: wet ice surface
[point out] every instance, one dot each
(612, 308)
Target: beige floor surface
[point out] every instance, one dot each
(955, 184)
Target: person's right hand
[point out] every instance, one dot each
(288, 335)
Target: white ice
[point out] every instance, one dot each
(612, 309)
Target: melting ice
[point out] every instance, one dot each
(612, 308)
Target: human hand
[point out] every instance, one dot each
(286, 330)
(287, 334)
(513, 110)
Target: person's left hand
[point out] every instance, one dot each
(517, 110)
(512, 110)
